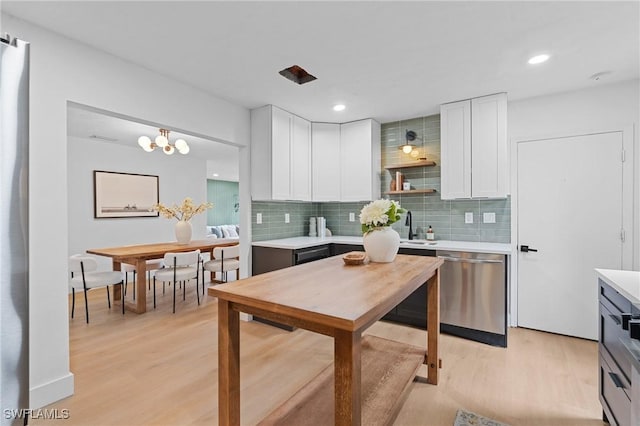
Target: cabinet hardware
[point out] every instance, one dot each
(616, 380)
(615, 319)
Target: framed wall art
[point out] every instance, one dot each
(124, 194)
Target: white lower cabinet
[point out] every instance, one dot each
(474, 148)
(346, 161)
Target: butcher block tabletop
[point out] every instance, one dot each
(329, 293)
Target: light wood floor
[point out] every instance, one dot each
(161, 369)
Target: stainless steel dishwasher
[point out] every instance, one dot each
(473, 296)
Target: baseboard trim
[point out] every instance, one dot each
(52, 391)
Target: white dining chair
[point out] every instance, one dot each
(152, 265)
(85, 277)
(178, 267)
(225, 259)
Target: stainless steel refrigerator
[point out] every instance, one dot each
(14, 237)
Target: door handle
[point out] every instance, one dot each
(527, 249)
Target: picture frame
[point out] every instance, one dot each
(124, 195)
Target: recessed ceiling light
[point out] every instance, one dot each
(538, 59)
(339, 107)
(215, 175)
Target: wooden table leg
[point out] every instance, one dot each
(117, 288)
(433, 328)
(140, 306)
(347, 354)
(228, 365)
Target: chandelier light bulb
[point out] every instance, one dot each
(144, 142)
(168, 150)
(162, 141)
(180, 144)
(148, 148)
(184, 150)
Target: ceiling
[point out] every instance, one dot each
(85, 123)
(383, 60)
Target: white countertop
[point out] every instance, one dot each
(626, 283)
(295, 243)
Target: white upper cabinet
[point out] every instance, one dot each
(474, 148)
(300, 159)
(489, 147)
(325, 165)
(360, 160)
(455, 150)
(293, 159)
(280, 155)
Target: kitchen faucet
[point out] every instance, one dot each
(409, 222)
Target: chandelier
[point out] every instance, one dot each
(162, 141)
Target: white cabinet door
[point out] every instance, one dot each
(280, 154)
(300, 159)
(325, 156)
(474, 148)
(489, 170)
(360, 160)
(455, 150)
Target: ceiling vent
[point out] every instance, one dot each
(297, 74)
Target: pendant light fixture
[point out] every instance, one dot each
(162, 141)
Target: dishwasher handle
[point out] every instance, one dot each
(463, 260)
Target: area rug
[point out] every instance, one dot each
(467, 418)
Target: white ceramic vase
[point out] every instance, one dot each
(381, 244)
(183, 232)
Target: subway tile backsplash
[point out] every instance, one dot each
(273, 224)
(447, 218)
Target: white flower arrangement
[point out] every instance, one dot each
(380, 213)
(184, 212)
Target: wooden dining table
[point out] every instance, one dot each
(370, 376)
(137, 255)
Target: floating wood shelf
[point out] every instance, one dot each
(388, 368)
(412, 191)
(419, 163)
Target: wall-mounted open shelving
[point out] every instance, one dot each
(417, 163)
(412, 192)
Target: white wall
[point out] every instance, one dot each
(603, 108)
(64, 70)
(179, 177)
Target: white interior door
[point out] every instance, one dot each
(570, 211)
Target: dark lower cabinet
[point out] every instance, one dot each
(412, 310)
(267, 259)
(617, 364)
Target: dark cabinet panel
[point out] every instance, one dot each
(617, 375)
(337, 249)
(267, 259)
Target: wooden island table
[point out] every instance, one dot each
(340, 301)
(137, 255)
